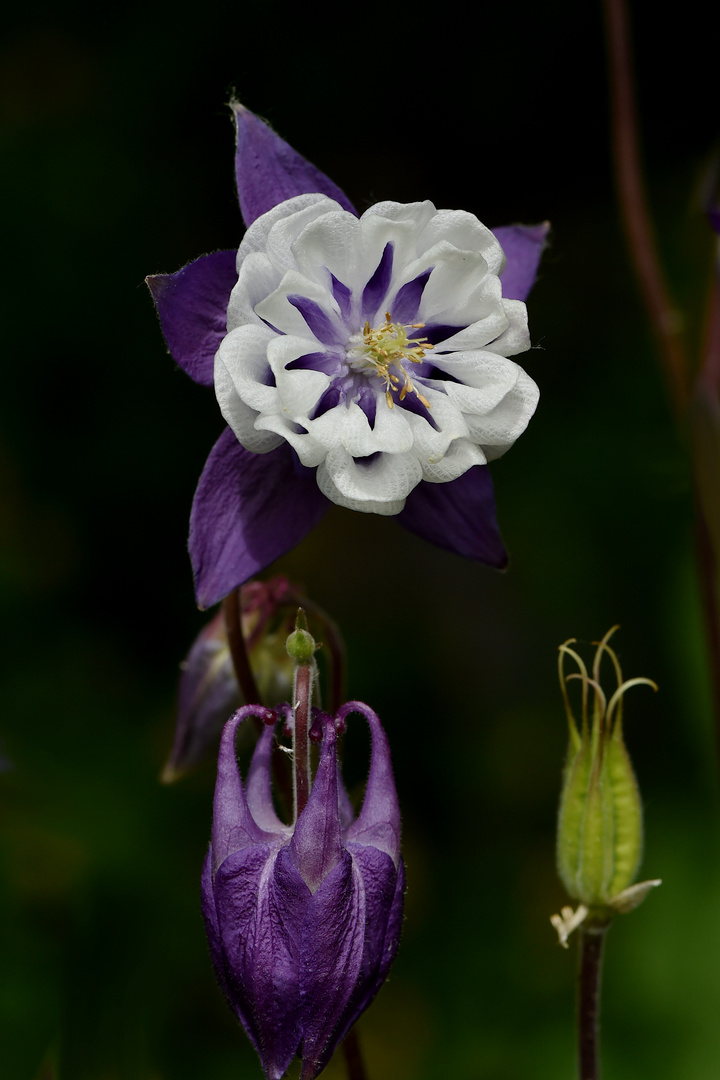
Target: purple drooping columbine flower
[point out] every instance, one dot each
(361, 361)
(303, 921)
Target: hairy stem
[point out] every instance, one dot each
(302, 702)
(592, 940)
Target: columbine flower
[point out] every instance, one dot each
(599, 840)
(361, 361)
(303, 921)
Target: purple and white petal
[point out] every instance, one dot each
(315, 359)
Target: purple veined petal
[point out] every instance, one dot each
(384, 896)
(269, 171)
(317, 846)
(192, 305)
(233, 825)
(378, 823)
(342, 296)
(407, 302)
(345, 807)
(318, 322)
(331, 961)
(261, 907)
(248, 510)
(378, 285)
(331, 363)
(523, 245)
(258, 791)
(214, 938)
(459, 515)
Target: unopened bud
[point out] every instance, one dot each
(301, 644)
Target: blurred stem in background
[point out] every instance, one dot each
(694, 398)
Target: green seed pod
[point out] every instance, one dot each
(599, 842)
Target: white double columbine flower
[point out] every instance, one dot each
(376, 346)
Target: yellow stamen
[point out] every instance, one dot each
(389, 346)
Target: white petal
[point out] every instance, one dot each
(285, 231)
(419, 213)
(285, 317)
(256, 278)
(459, 291)
(478, 368)
(243, 355)
(464, 231)
(378, 486)
(491, 382)
(241, 417)
(429, 444)
(299, 390)
(516, 339)
(329, 244)
(257, 235)
(461, 456)
(497, 431)
(391, 432)
(310, 452)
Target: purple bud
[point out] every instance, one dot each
(208, 691)
(303, 921)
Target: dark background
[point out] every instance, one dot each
(117, 152)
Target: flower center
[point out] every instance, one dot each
(390, 347)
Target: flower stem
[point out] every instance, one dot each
(333, 641)
(353, 1056)
(302, 702)
(633, 202)
(592, 941)
(238, 650)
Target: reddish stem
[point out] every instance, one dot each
(238, 650)
(592, 940)
(304, 675)
(631, 191)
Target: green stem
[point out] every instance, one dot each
(592, 941)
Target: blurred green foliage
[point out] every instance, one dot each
(117, 150)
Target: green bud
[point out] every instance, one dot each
(301, 644)
(600, 829)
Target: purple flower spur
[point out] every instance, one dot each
(358, 360)
(303, 921)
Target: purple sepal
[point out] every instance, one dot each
(192, 305)
(248, 510)
(459, 515)
(301, 940)
(523, 245)
(269, 171)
